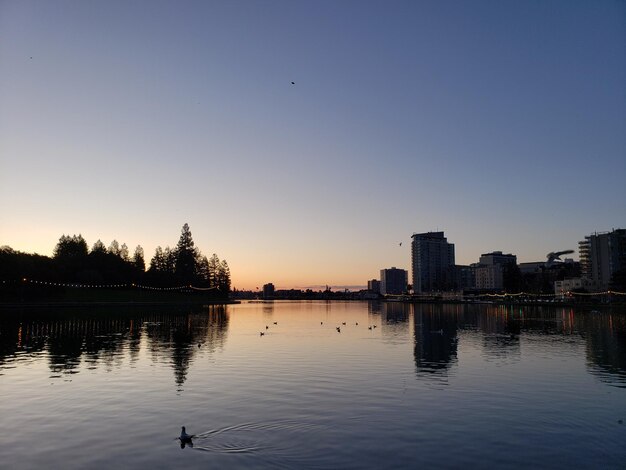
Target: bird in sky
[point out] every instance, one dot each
(293, 83)
(400, 243)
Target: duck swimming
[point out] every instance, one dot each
(184, 437)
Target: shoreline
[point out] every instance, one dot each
(112, 303)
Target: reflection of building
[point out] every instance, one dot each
(602, 255)
(393, 281)
(435, 338)
(268, 291)
(432, 262)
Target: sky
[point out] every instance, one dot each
(502, 123)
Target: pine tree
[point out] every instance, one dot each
(114, 248)
(71, 247)
(169, 258)
(98, 247)
(138, 259)
(124, 254)
(213, 270)
(224, 276)
(202, 266)
(157, 263)
(186, 254)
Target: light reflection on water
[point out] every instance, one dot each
(398, 386)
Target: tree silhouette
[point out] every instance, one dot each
(138, 259)
(224, 278)
(98, 247)
(185, 255)
(70, 247)
(114, 248)
(124, 252)
(213, 268)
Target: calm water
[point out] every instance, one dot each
(428, 386)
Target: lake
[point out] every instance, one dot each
(397, 386)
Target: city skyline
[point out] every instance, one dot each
(499, 123)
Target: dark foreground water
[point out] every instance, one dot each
(427, 386)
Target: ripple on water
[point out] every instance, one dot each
(267, 438)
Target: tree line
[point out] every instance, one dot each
(73, 262)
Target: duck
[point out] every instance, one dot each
(184, 437)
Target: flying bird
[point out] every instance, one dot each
(293, 83)
(400, 243)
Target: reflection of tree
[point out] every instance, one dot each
(183, 336)
(103, 338)
(10, 339)
(435, 338)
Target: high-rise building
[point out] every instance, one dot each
(268, 291)
(393, 281)
(432, 262)
(602, 255)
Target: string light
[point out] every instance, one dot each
(113, 286)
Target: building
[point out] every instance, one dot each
(374, 286)
(602, 255)
(533, 267)
(268, 291)
(464, 277)
(432, 262)
(393, 281)
(561, 288)
(489, 274)
(497, 257)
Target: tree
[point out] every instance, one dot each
(169, 258)
(124, 252)
(114, 248)
(213, 270)
(70, 247)
(224, 278)
(138, 259)
(185, 257)
(157, 263)
(98, 247)
(202, 266)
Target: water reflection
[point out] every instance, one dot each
(435, 338)
(95, 339)
(73, 341)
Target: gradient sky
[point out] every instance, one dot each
(501, 122)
